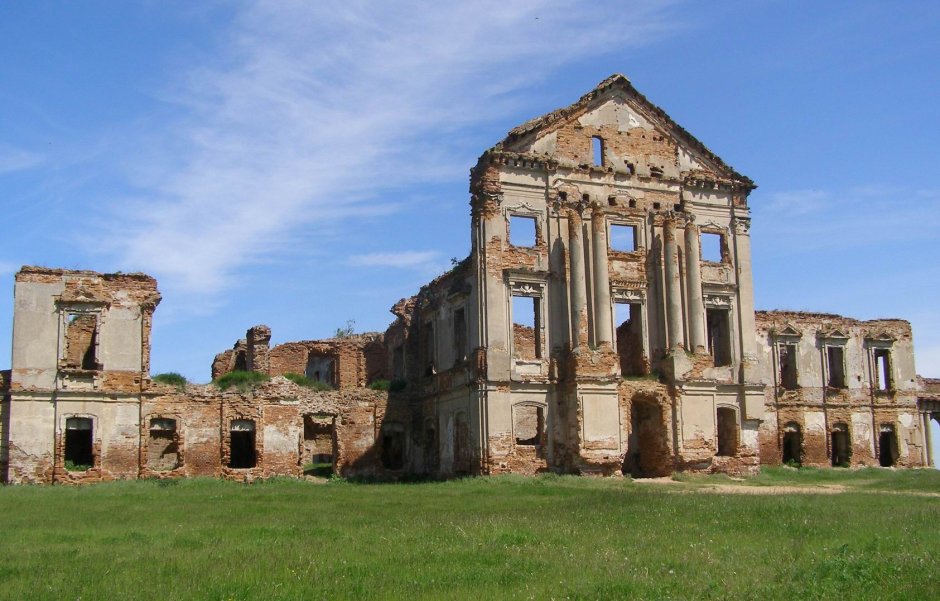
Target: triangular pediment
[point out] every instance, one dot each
(788, 330)
(637, 136)
(834, 334)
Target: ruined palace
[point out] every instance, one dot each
(603, 323)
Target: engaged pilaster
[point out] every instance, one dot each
(603, 329)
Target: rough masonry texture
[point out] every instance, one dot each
(603, 323)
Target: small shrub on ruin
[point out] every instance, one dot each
(171, 378)
(380, 384)
(243, 380)
(302, 380)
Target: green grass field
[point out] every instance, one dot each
(486, 538)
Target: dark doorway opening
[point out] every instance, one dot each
(647, 449)
(79, 447)
(887, 446)
(242, 444)
(793, 445)
(727, 432)
(841, 447)
(393, 448)
(319, 445)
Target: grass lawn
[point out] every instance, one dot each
(485, 538)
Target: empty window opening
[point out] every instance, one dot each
(242, 453)
(241, 361)
(526, 327)
(711, 246)
(321, 368)
(647, 448)
(528, 425)
(887, 446)
(461, 444)
(622, 237)
(727, 432)
(597, 150)
(319, 451)
(835, 361)
(393, 447)
(162, 445)
(719, 335)
(429, 364)
(793, 444)
(633, 361)
(787, 361)
(841, 446)
(81, 341)
(522, 230)
(79, 448)
(883, 379)
(460, 336)
(398, 362)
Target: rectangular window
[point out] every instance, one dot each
(787, 356)
(528, 424)
(711, 246)
(835, 362)
(597, 150)
(719, 335)
(883, 379)
(622, 237)
(460, 336)
(321, 369)
(629, 319)
(522, 230)
(81, 344)
(526, 327)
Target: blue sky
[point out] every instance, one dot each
(303, 163)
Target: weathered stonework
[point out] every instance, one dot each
(588, 332)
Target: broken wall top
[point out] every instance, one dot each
(832, 325)
(84, 286)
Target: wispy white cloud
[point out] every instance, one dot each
(16, 159)
(401, 260)
(797, 202)
(313, 111)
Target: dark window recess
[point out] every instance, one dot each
(883, 380)
(793, 444)
(630, 339)
(526, 327)
(242, 453)
(321, 368)
(460, 336)
(79, 448)
(528, 425)
(522, 230)
(393, 449)
(887, 446)
(788, 374)
(835, 360)
(841, 446)
(622, 237)
(597, 150)
(719, 335)
(727, 432)
(711, 246)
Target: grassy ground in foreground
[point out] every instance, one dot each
(485, 538)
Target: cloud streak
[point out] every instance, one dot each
(316, 110)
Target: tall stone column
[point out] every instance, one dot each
(693, 273)
(603, 329)
(750, 371)
(579, 317)
(673, 287)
